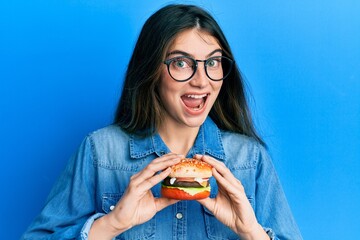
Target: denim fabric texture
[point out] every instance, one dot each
(99, 172)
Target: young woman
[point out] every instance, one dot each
(183, 96)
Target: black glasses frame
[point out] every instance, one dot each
(196, 61)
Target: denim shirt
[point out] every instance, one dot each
(98, 174)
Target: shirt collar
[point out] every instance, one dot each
(207, 142)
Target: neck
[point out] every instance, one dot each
(179, 139)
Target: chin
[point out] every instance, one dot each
(195, 120)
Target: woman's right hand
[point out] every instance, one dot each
(137, 205)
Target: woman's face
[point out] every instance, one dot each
(189, 103)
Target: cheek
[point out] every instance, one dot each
(216, 86)
(167, 88)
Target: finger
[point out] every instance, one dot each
(209, 203)
(227, 188)
(162, 203)
(167, 156)
(228, 183)
(198, 156)
(154, 167)
(142, 188)
(163, 158)
(221, 181)
(147, 184)
(135, 175)
(221, 168)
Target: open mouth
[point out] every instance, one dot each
(194, 102)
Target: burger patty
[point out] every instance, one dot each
(183, 184)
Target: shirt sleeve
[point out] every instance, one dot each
(84, 234)
(71, 202)
(272, 209)
(270, 233)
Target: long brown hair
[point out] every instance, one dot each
(139, 109)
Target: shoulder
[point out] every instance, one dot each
(111, 133)
(109, 143)
(240, 141)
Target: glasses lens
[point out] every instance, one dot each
(218, 68)
(181, 68)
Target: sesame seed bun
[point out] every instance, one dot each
(189, 167)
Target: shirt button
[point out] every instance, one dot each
(179, 216)
(112, 207)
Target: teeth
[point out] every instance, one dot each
(199, 107)
(196, 96)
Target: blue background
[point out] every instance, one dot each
(62, 65)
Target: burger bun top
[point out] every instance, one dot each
(189, 167)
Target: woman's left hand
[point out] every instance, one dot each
(231, 206)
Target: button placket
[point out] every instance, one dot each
(179, 225)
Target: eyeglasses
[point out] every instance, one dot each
(182, 68)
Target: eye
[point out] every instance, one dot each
(182, 62)
(213, 62)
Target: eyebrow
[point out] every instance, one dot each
(190, 55)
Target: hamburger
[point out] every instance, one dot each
(188, 180)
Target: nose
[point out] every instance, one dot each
(200, 78)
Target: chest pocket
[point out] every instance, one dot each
(143, 231)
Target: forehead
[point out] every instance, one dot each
(194, 42)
